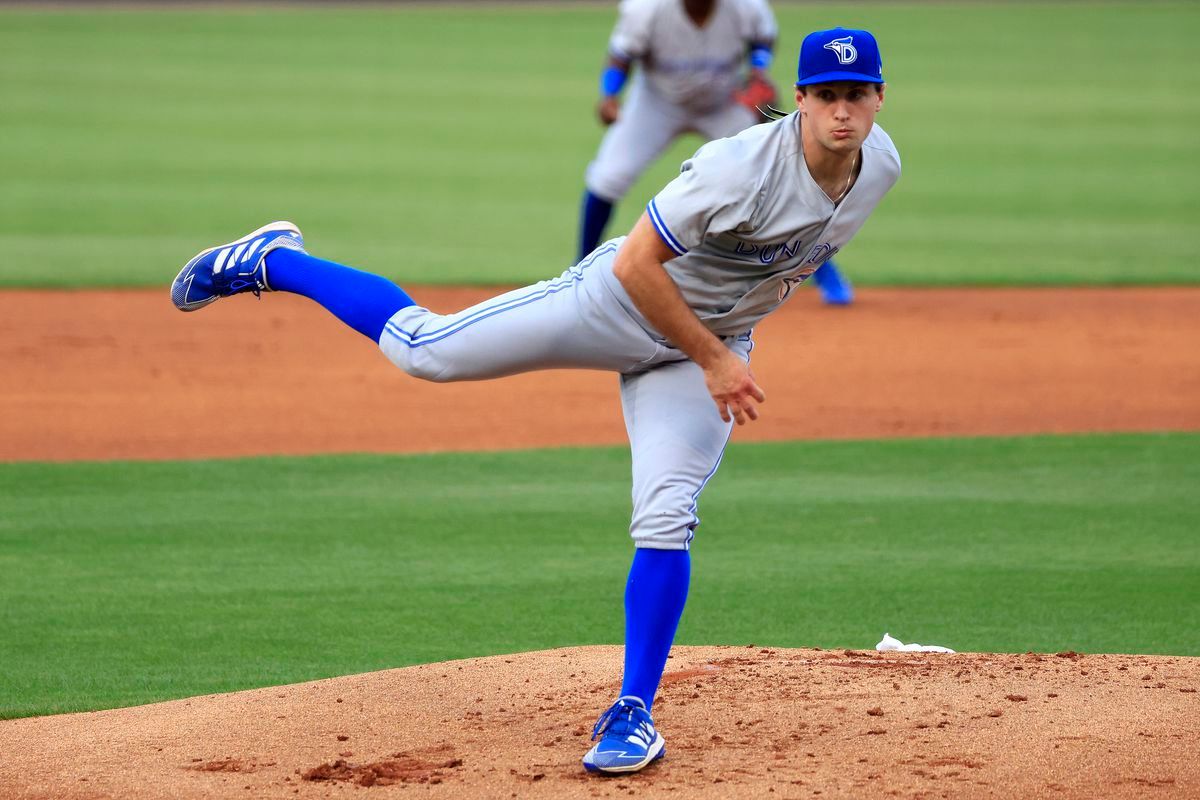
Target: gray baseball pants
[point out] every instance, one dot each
(580, 320)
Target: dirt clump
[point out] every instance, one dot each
(400, 768)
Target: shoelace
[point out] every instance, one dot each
(237, 285)
(620, 711)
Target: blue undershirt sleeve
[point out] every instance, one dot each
(612, 80)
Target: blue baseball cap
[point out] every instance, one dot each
(839, 54)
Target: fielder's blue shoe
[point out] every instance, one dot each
(628, 740)
(228, 269)
(835, 288)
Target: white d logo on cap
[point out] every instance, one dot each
(845, 50)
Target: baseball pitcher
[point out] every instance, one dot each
(670, 308)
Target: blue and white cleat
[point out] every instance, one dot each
(628, 739)
(835, 287)
(229, 269)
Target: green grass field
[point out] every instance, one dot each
(1042, 143)
(132, 582)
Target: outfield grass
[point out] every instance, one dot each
(1042, 143)
(127, 583)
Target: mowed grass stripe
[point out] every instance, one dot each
(448, 145)
(132, 582)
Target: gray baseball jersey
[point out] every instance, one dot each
(749, 223)
(685, 81)
(693, 67)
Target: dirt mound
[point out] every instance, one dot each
(739, 722)
(104, 375)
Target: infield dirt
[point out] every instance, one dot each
(113, 375)
(104, 375)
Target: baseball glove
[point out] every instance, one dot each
(757, 95)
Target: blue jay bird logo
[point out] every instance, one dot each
(844, 47)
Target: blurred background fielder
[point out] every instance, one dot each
(691, 55)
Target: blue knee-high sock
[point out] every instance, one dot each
(592, 221)
(835, 287)
(828, 274)
(360, 299)
(654, 599)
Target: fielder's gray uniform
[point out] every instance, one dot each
(686, 82)
(749, 224)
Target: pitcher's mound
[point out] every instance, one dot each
(739, 722)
